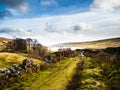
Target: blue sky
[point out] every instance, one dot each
(57, 21)
(50, 7)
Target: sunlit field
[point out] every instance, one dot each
(59, 44)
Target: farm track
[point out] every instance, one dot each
(56, 79)
(54, 74)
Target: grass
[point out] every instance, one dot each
(7, 59)
(3, 41)
(94, 44)
(56, 77)
(91, 77)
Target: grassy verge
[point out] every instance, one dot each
(91, 77)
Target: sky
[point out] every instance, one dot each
(58, 21)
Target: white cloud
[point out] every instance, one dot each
(86, 26)
(48, 3)
(15, 5)
(105, 5)
(12, 31)
(49, 28)
(24, 7)
(82, 26)
(93, 25)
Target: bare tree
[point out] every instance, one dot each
(29, 43)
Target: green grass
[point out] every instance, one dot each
(91, 77)
(54, 78)
(7, 59)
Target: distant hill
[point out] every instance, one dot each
(3, 42)
(112, 42)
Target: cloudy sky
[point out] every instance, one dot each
(57, 21)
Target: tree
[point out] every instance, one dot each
(20, 44)
(29, 42)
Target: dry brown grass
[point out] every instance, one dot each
(100, 45)
(7, 59)
(3, 41)
(113, 42)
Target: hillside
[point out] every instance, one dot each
(112, 42)
(3, 42)
(7, 59)
(55, 77)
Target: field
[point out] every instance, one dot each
(113, 42)
(7, 59)
(59, 44)
(97, 73)
(98, 70)
(3, 42)
(55, 77)
(91, 78)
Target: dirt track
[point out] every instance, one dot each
(55, 79)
